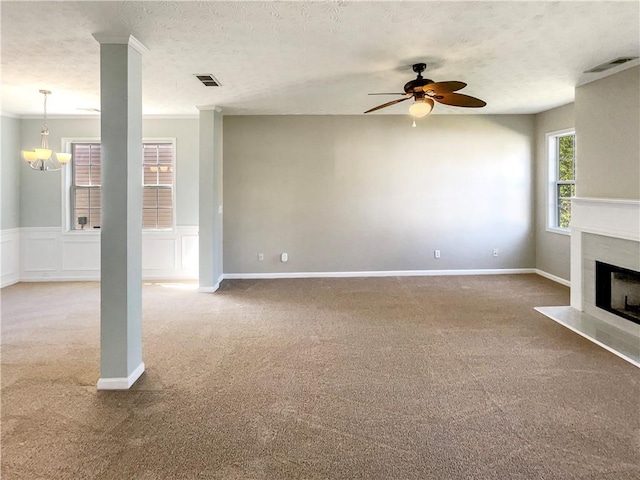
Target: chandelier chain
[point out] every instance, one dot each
(45, 126)
(45, 112)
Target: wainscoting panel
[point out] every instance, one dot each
(80, 252)
(158, 253)
(49, 254)
(39, 251)
(9, 256)
(189, 254)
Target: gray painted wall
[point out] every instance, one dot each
(369, 193)
(607, 125)
(10, 172)
(40, 193)
(553, 253)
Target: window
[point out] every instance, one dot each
(562, 174)
(157, 185)
(85, 185)
(157, 179)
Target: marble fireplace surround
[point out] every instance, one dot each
(607, 230)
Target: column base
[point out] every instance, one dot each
(121, 383)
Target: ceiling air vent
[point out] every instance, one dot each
(208, 80)
(613, 63)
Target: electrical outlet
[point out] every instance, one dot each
(284, 257)
(436, 254)
(261, 257)
(495, 252)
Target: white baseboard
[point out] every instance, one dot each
(384, 273)
(121, 383)
(9, 279)
(555, 278)
(212, 289)
(209, 289)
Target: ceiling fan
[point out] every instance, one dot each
(424, 91)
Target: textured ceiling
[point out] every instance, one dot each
(312, 58)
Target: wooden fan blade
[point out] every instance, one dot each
(395, 93)
(459, 100)
(442, 87)
(388, 104)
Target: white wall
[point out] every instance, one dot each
(552, 249)
(607, 125)
(370, 193)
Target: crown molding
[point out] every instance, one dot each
(110, 39)
(171, 117)
(209, 107)
(97, 117)
(12, 115)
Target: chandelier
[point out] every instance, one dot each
(41, 158)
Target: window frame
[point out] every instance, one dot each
(67, 184)
(554, 182)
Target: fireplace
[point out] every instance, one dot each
(605, 263)
(618, 291)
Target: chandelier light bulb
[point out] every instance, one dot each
(43, 153)
(29, 155)
(63, 157)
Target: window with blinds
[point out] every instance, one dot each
(157, 180)
(157, 185)
(85, 186)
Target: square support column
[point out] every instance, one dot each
(210, 200)
(121, 201)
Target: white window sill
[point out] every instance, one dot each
(560, 231)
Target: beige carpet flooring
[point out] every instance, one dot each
(378, 378)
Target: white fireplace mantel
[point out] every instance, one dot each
(618, 218)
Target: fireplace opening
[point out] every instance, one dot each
(618, 291)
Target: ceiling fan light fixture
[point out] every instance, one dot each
(421, 107)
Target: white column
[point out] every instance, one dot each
(210, 199)
(121, 200)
